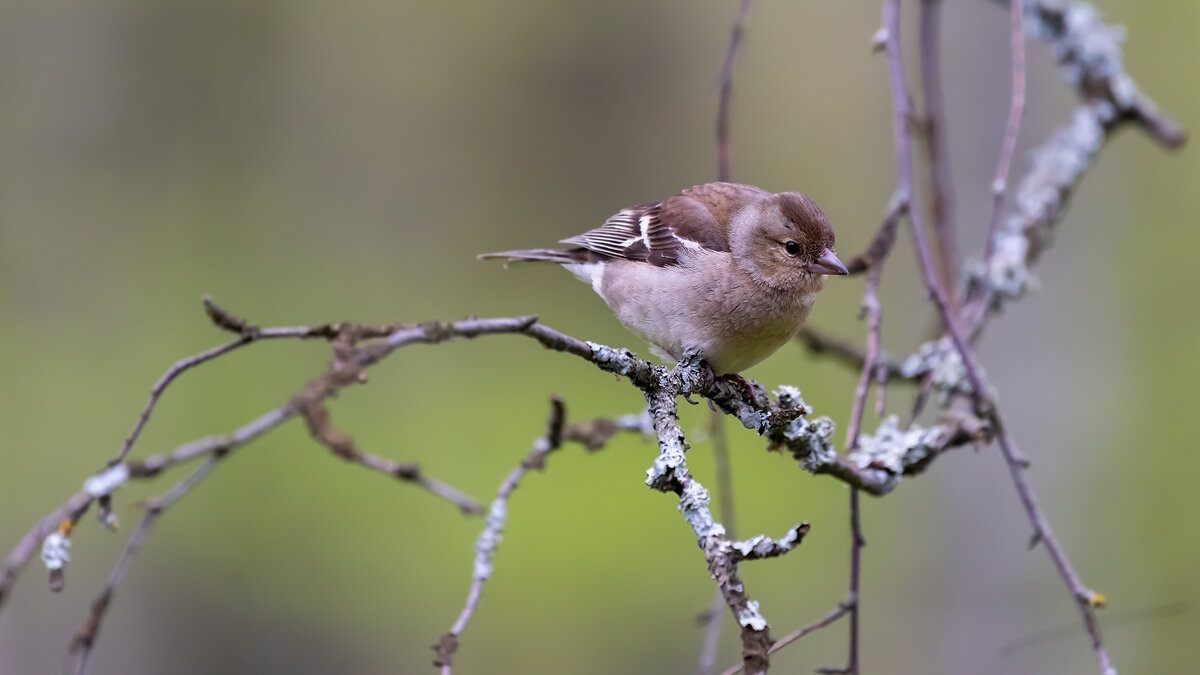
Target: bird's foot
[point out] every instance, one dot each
(743, 385)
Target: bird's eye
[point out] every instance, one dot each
(792, 248)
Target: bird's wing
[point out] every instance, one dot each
(698, 218)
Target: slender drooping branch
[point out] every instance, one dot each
(974, 375)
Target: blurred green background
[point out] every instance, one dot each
(307, 162)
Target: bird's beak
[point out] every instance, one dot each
(828, 263)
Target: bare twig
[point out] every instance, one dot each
(726, 95)
(871, 308)
(944, 230)
(1012, 129)
(854, 599)
(836, 613)
(85, 637)
(1085, 599)
(904, 181)
(226, 321)
(147, 468)
(316, 416)
(817, 342)
(881, 245)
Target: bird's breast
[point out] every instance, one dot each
(709, 306)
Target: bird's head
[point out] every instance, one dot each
(786, 242)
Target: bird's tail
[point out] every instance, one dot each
(562, 256)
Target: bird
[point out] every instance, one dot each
(723, 271)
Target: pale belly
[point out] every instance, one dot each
(678, 311)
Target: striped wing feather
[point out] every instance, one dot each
(658, 233)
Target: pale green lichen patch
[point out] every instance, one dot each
(893, 448)
(749, 617)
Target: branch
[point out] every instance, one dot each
(817, 342)
(904, 183)
(973, 373)
(670, 474)
(85, 637)
(1089, 55)
(941, 178)
(312, 407)
(1009, 145)
(593, 436)
(726, 95)
(836, 613)
(247, 334)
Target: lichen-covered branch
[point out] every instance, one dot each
(669, 473)
(1089, 55)
(592, 436)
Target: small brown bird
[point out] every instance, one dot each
(723, 270)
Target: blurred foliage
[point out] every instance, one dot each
(307, 162)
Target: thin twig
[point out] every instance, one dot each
(85, 637)
(817, 342)
(226, 321)
(974, 374)
(942, 181)
(1011, 130)
(1085, 599)
(726, 95)
(977, 309)
(147, 468)
(1089, 52)
(836, 613)
(874, 314)
(856, 545)
(343, 446)
(904, 181)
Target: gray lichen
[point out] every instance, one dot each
(893, 448)
(762, 546)
(750, 617)
(810, 441)
(694, 505)
(489, 539)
